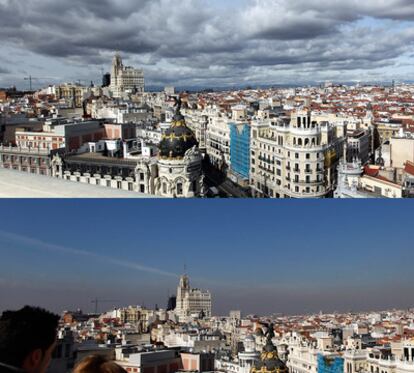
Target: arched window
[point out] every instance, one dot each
(294, 141)
(300, 142)
(306, 142)
(179, 189)
(298, 122)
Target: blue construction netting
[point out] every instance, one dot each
(240, 149)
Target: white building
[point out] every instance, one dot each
(296, 158)
(191, 302)
(245, 360)
(180, 173)
(398, 359)
(125, 79)
(218, 140)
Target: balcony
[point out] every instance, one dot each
(320, 194)
(300, 131)
(308, 183)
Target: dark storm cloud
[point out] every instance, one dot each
(195, 35)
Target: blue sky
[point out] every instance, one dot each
(262, 257)
(203, 43)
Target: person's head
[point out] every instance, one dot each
(98, 364)
(28, 338)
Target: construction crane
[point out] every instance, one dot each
(31, 78)
(97, 301)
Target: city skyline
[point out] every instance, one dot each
(205, 43)
(291, 258)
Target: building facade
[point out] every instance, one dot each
(191, 301)
(180, 173)
(295, 158)
(218, 141)
(30, 160)
(125, 79)
(240, 151)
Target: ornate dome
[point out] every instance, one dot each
(269, 358)
(178, 139)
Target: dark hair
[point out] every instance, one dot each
(98, 364)
(24, 331)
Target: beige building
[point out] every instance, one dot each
(197, 121)
(295, 158)
(191, 302)
(218, 140)
(125, 79)
(402, 150)
(381, 187)
(73, 94)
(398, 359)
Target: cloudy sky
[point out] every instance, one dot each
(260, 257)
(208, 42)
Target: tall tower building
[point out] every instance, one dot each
(191, 301)
(125, 79)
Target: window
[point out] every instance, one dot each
(142, 188)
(297, 155)
(130, 187)
(307, 156)
(164, 188)
(179, 189)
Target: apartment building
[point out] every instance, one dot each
(295, 157)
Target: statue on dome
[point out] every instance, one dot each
(270, 334)
(178, 104)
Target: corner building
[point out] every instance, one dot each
(180, 173)
(295, 158)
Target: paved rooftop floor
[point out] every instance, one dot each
(15, 184)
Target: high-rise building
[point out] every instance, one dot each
(125, 79)
(191, 301)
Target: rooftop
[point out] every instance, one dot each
(15, 184)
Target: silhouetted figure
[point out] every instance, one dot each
(27, 340)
